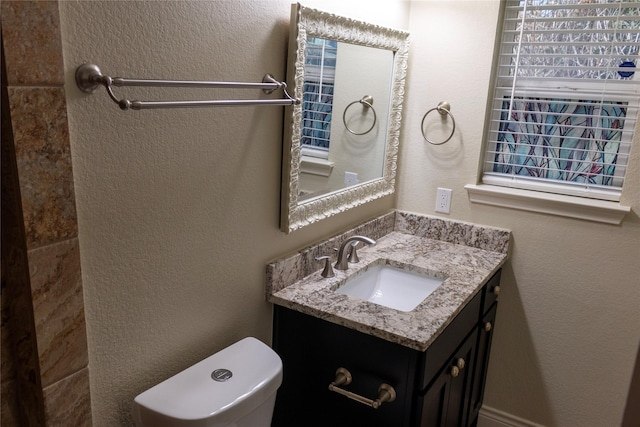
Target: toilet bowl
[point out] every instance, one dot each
(235, 387)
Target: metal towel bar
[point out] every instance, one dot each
(89, 78)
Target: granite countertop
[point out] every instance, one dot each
(465, 270)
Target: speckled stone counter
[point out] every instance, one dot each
(465, 255)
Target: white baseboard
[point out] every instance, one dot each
(491, 417)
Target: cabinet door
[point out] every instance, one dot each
(485, 334)
(436, 401)
(446, 401)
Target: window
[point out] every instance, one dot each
(317, 100)
(566, 97)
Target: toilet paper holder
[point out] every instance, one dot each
(386, 393)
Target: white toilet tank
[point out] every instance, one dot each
(235, 387)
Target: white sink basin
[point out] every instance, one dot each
(391, 287)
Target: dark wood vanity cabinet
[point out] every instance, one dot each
(442, 386)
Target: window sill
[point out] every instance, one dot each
(316, 166)
(554, 204)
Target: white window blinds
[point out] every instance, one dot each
(566, 97)
(317, 98)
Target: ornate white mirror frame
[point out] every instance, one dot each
(310, 22)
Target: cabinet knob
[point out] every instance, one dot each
(488, 327)
(459, 366)
(455, 371)
(496, 290)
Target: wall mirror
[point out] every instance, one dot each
(341, 141)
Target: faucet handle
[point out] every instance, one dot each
(352, 256)
(328, 269)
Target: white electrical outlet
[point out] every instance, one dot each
(350, 178)
(443, 200)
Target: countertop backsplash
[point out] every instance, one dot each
(288, 270)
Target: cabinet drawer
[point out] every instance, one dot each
(446, 344)
(491, 291)
(313, 349)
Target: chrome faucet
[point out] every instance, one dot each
(341, 263)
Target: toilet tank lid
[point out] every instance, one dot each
(193, 394)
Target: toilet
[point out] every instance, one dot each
(235, 387)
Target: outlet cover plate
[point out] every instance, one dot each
(350, 178)
(443, 200)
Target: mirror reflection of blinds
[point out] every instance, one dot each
(320, 60)
(320, 66)
(566, 97)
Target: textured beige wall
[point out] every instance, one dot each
(178, 210)
(567, 329)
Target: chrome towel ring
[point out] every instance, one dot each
(444, 108)
(367, 102)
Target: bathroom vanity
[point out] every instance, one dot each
(349, 362)
(431, 388)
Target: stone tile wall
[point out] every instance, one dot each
(45, 377)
